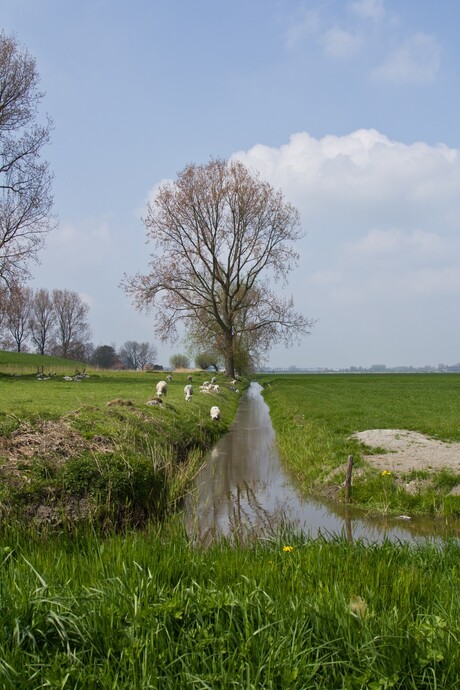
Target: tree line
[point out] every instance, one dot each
(56, 323)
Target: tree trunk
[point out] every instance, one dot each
(230, 356)
(229, 368)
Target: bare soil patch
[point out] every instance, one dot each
(409, 450)
(51, 440)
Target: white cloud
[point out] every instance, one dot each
(90, 232)
(381, 217)
(368, 9)
(340, 44)
(417, 61)
(418, 244)
(301, 28)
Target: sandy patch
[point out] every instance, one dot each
(409, 450)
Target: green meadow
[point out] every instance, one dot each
(314, 417)
(148, 609)
(94, 449)
(100, 587)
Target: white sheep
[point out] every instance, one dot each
(215, 412)
(188, 391)
(213, 380)
(162, 389)
(169, 378)
(189, 378)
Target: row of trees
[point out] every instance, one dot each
(56, 323)
(131, 355)
(53, 322)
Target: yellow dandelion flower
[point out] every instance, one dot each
(288, 548)
(386, 473)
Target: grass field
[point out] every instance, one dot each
(149, 610)
(94, 447)
(28, 363)
(314, 416)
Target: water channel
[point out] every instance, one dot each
(243, 490)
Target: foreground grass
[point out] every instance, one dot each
(149, 610)
(95, 450)
(315, 415)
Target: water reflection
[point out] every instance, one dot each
(243, 490)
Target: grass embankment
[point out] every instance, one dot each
(148, 610)
(93, 449)
(314, 417)
(30, 363)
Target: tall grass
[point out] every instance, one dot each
(148, 610)
(314, 417)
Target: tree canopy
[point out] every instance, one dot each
(25, 179)
(222, 237)
(179, 361)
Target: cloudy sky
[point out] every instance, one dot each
(351, 108)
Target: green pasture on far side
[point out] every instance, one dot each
(314, 417)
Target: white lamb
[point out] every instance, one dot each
(188, 391)
(162, 389)
(215, 412)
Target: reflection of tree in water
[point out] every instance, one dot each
(242, 488)
(248, 514)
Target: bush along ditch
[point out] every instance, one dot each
(113, 464)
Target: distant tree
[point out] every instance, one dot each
(136, 355)
(17, 315)
(82, 351)
(223, 237)
(205, 360)
(25, 180)
(179, 361)
(104, 356)
(42, 320)
(72, 328)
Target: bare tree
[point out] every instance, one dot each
(17, 315)
(42, 320)
(136, 355)
(72, 328)
(25, 180)
(222, 237)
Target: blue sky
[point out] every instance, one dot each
(350, 107)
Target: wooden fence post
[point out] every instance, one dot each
(348, 479)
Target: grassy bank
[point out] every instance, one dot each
(147, 610)
(315, 415)
(94, 449)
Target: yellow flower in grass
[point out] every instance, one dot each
(358, 606)
(386, 473)
(288, 548)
